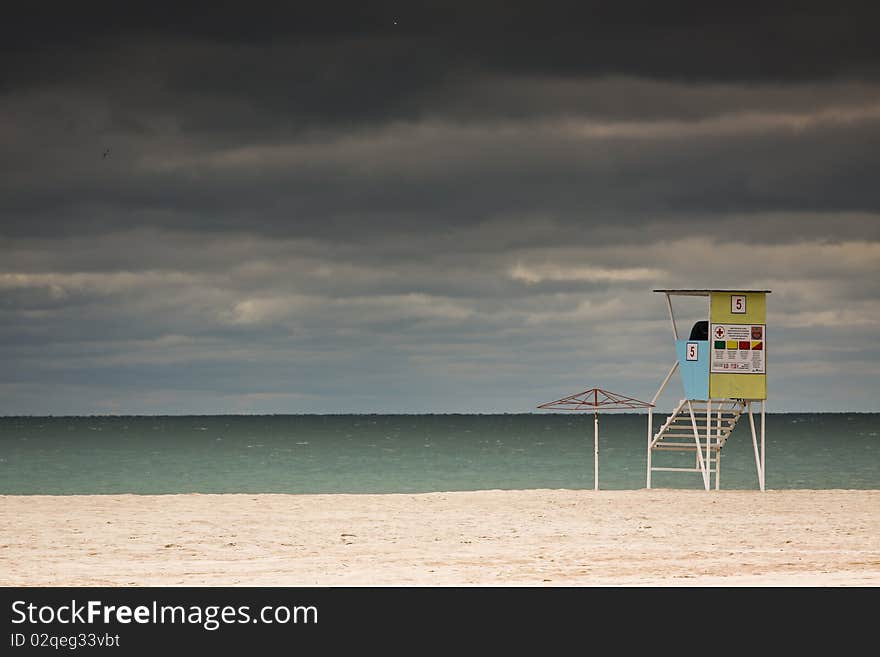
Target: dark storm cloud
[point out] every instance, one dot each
(407, 182)
(263, 74)
(328, 95)
(431, 178)
(679, 40)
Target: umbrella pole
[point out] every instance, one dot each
(596, 451)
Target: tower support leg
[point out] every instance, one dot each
(759, 459)
(650, 431)
(718, 452)
(709, 439)
(701, 463)
(763, 445)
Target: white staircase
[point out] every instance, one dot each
(724, 415)
(700, 428)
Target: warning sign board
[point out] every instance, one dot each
(737, 349)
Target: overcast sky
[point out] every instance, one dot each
(410, 207)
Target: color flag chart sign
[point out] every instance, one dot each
(737, 348)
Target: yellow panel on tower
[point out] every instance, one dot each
(738, 335)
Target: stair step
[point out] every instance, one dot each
(679, 425)
(714, 414)
(690, 434)
(682, 447)
(654, 469)
(701, 425)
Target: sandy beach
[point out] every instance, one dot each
(495, 538)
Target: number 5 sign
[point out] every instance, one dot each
(693, 351)
(738, 304)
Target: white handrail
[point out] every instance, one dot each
(665, 381)
(654, 401)
(668, 422)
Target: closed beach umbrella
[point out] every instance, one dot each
(593, 400)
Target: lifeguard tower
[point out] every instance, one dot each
(723, 365)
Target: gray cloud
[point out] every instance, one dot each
(416, 177)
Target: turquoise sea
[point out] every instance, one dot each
(406, 453)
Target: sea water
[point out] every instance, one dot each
(408, 453)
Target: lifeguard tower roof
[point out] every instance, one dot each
(706, 293)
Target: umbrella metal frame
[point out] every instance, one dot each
(589, 400)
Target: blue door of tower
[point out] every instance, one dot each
(693, 362)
